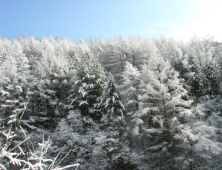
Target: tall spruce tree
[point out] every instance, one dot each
(89, 84)
(110, 102)
(167, 119)
(15, 81)
(130, 87)
(161, 102)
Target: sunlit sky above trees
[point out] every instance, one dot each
(95, 19)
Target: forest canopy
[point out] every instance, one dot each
(120, 104)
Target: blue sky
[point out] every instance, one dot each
(109, 18)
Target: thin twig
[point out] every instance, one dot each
(63, 158)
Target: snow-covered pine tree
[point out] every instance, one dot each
(205, 83)
(169, 49)
(52, 69)
(89, 84)
(211, 91)
(211, 81)
(203, 57)
(162, 100)
(111, 58)
(196, 81)
(129, 88)
(115, 144)
(14, 82)
(113, 124)
(196, 141)
(32, 49)
(8, 75)
(171, 125)
(215, 120)
(87, 141)
(110, 102)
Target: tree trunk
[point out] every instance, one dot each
(166, 119)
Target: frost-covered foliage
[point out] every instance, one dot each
(129, 89)
(14, 83)
(88, 86)
(160, 102)
(169, 92)
(110, 102)
(165, 116)
(91, 141)
(197, 141)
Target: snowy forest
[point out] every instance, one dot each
(116, 104)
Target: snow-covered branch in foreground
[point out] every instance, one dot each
(36, 160)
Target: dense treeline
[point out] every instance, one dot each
(119, 103)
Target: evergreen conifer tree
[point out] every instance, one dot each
(14, 82)
(130, 87)
(162, 100)
(89, 84)
(110, 102)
